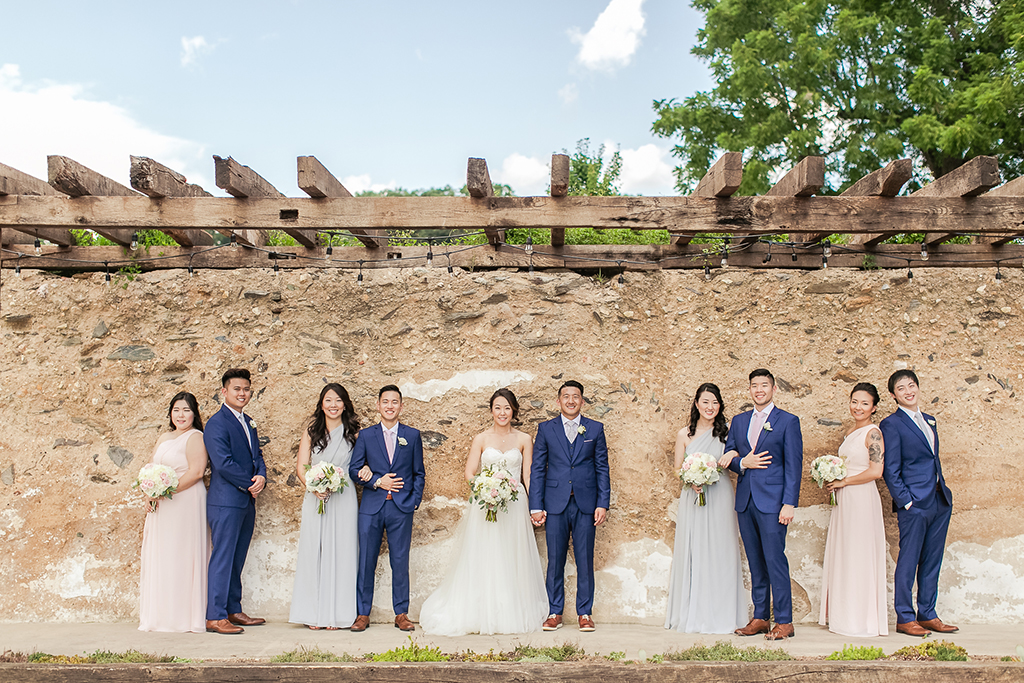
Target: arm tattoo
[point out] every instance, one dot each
(875, 449)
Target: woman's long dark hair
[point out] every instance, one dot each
(317, 429)
(719, 429)
(513, 402)
(193, 404)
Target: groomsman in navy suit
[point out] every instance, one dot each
(923, 505)
(765, 448)
(570, 489)
(390, 455)
(237, 477)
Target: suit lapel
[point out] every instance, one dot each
(382, 444)
(577, 444)
(239, 429)
(744, 425)
(763, 433)
(909, 421)
(563, 442)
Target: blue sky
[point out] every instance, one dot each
(385, 94)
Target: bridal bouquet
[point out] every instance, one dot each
(324, 477)
(828, 468)
(156, 481)
(493, 489)
(700, 470)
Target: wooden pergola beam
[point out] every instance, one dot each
(559, 188)
(594, 256)
(758, 215)
(976, 177)
(59, 236)
(1012, 188)
(244, 183)
(315, 180)
(803, 180)
(13, 181)
(478, 182)
(76, 180)
(155, 180)
(884, 182)
(722, 180)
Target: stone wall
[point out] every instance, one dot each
(86, 371)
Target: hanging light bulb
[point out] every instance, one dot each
(277, 268)
(529, 244)
(451, 271)
(826, 248)
(725, 257)
(106, 277)
(17, 268)
(768, 256)
(359, 279)
(330, 246)
(135, 241)
(910, 273)
(234, 241)
(707, 271)
(794, 253)
(430, 254)
(622, 279)
(924, 251)
(191, 270)
(999, 274)
(39, 247)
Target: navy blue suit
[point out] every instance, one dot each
(913, 474)
(379, 513)
(760, 495)
(569, 481)
(230, 508)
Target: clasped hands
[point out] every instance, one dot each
(390, 482)
(600, 514)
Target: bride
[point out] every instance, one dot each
(494, 583)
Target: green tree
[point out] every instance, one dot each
(588, 174)
(860, 82)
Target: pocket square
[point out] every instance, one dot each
(588, 441)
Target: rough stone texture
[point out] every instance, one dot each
(71, 526)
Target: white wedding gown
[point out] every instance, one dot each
(494, 583)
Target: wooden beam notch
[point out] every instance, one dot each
(722, 180)
(883, 182)
(478, 182)
(319, 183)
(976, 177)
(559, 188)
(76, 180)
(157, 181)
(242, 182)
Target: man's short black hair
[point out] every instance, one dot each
(901, 374)
(235, 373)
(762, 372)
(387, 388)
(571, 383)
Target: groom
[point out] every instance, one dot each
(390, 455)
(570, 489)
(765, 448)
(238, 475)
(923, 505)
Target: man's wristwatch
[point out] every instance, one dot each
(376, 484)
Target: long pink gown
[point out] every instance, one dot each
(175, 552)
(853, 592)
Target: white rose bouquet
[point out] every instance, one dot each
(156, 482)
(700, 470)
(493, 489)
(323, 477)
(828, 468)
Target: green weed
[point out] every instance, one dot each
(727, 652)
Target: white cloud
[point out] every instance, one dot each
(569, 93)
(56, 118)
(362, 183)
(192, 48)
(646, 171)
(614, 38)
(528, 176)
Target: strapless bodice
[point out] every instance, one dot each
(509, 460)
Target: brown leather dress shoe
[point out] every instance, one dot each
(403, 622)
(911, 628)
(781, 632)
(753, 628)
(552, 623)
(243, 619)
(587, 623)
(222, 626)
(937, 626)
(360, 624)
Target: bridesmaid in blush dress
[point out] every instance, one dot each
(853, 594)
(706, 592)
(175, 542)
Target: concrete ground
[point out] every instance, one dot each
(276, 637)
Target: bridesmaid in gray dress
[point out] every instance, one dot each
(324, 596)
(706, 593)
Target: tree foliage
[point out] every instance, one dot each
(860, 82)
(588, 174)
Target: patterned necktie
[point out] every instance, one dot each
(756, 424)
(390, 441)
(570, 431)
(919, 419)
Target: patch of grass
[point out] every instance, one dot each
(862, 652)
(470, 656)
(11, 657)
(727, 652)
(657, 659)
(566, 652)
(615, 656)
(410, 653)
(314, 654)
(101, 657)
(940, 651)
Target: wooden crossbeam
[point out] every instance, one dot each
(13, 181)
(319, 183)
(803, 180)
(59, 236)
(595, 256)
(76, 180)
(722, 180)
(478, 182)
(559, 188)
(155, 180)
(1013, 188)
(884, 182)
(757, 215)
(976, 177)
(244, 183)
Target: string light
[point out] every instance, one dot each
(725, 256)
(826, 248)
(707, 270)
(924, 251)
(825, 252)
(330, 246)
(277, 268)
(451, 271)
(430, 253)
(622, 279)
(106, 269)
(794, 252)
(17, 266)
(234, 241)
(999, 273)
(39, 247)
(359, 279)
(529, 244)
(910, 273)
(135, 241)
(768, 256)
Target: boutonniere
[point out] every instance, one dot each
(931, 422)
(252, 423)
(581, 430)
(767, 426)
(402, 442)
